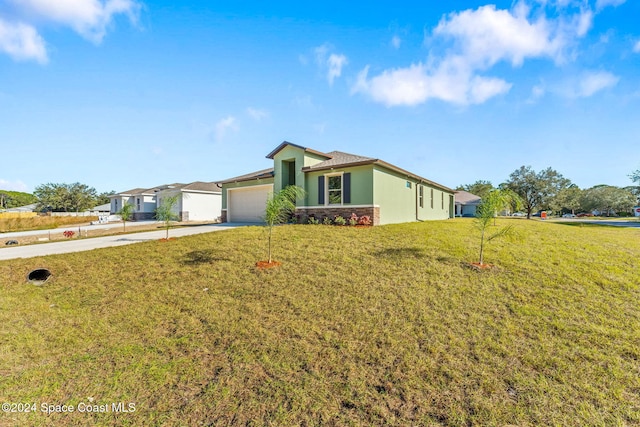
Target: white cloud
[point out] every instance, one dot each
(592, 82)
(332, 63)
(21, 39)
(22, 42)
(451, 82)
(223, 126)
(13, 185)
(601, 4)
(396, 42)
(257, 114)
(636, 47)
(479, 39)
(89, 18)
(486, 35)
(537, 92)
(335, 62)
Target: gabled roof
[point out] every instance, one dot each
(261, 174)
(306, 149)
(466, 198)
(198, 186)
(340, 159)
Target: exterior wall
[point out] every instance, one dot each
(201, 206)
(301, 158)
(361, 185)
(400, 203)
(465, 210)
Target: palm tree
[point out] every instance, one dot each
(125, 214)
(280, 206)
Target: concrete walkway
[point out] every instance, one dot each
(79, 245)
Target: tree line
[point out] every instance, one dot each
(51, 197)
(549, 190)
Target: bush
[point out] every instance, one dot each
(312, 220)
(353, 219)
(364, 220)
(326, 221)
(338, 220)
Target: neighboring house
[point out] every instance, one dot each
(22, 209)
(142, 199)
(101, 209)
(337, 183)
(198, 201)
(466, 203)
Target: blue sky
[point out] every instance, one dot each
(119, 94)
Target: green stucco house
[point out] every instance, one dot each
(337, 183)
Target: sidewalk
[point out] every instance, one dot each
(79, 245)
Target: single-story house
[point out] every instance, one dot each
(337, 183)
(142, 199)
(198, 201)
(467, 203)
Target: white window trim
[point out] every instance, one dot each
(326, 189)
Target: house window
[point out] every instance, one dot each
(334, 189)
(115, 205)
(408, 184)
(421, 195)
(432, 198)
(442, 194)
(138, 203)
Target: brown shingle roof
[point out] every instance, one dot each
(466, 198)
(264, 173)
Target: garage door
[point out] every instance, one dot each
(247, 204)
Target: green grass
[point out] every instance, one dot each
(377, 326)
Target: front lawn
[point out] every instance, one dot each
(371, 326)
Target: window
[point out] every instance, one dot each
(408, 184)
(432, 198)
(115, 205)
(421, 195)
(138, 203)
(442, 194)
(334, 189)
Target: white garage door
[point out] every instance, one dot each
(247, 204)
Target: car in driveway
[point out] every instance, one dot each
(568, 215)
(518, 214)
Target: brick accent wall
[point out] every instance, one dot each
(344, 211)
(223, 218)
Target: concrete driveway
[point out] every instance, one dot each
(79, 245)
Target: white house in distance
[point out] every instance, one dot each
(466, 203)
(197, 201)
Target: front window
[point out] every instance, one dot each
(334, 189)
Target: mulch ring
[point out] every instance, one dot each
(263, 265)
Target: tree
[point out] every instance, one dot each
(14, 199)
(490, 205)
(125, 214)
(607, 199)
(103, 198)
(280, 206)
(165, 211)
(536, 189)
(567, 198)
(479, 188)
(74, 197)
